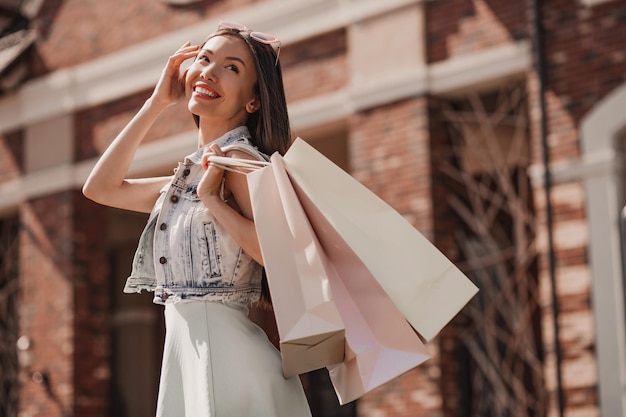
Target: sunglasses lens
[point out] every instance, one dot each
(263, 37)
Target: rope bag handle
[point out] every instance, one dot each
(239, 165)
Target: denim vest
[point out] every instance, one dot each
(184, 253)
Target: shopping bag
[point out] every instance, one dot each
(310, 328)
(380, 343)
(423, 284)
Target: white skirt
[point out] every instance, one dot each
(218, 363)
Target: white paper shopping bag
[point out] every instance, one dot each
(426, 286)
(380, 344)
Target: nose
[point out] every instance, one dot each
(208, 72)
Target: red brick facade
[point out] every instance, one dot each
(394, 148)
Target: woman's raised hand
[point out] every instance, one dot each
(171, 85)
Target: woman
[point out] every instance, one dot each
(199, 251)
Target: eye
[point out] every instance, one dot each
(202, 57)
(233, 68)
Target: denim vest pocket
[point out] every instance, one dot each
(210, 273)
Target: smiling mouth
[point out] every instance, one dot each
(205, 92)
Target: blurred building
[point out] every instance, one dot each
(495, 127)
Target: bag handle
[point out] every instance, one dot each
(239, 165)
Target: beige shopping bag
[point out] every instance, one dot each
(310, 328)
(380, 343)
(423, 284)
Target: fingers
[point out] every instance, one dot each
(212, 180)
(187, 50)
(170, 87)
(182, 54)
(213, 150)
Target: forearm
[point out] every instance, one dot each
(241, 229)
(109, 173)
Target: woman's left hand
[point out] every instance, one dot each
(236, 215)
(211, 182)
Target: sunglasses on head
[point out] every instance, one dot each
(265, 38)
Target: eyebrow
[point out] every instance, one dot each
(231, 58)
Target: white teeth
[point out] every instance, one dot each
(206, 92)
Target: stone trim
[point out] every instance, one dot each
(600, 131)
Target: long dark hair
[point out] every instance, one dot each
(269, 126)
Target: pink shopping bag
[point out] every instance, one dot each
(309, 325)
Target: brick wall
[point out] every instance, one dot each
(457, 27)
(315, 66)
(92, 288)
(64, 306)
(46, 303)
(76, 31)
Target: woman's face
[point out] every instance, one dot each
(220, 82)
